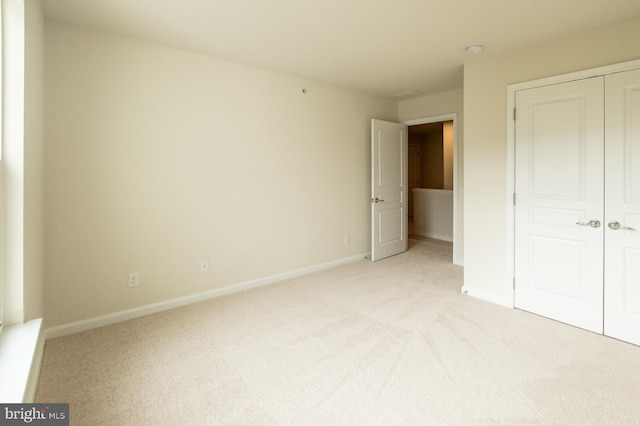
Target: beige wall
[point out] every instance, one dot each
(485, 89)
(430, 167)
(158, 158)
(447, 154)
(434, 105)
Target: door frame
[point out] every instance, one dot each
(509, 284)
(457, 260)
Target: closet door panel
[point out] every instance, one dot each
(622, 206)
(559, 192)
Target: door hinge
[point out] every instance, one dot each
(514, 198)
(514, 114)
(514, 283)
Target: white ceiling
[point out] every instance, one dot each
(382, 47)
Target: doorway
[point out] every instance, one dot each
(432, 172)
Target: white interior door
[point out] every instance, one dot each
(559, 202)
(622, 245)
(388, 189)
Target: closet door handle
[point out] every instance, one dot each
(594, 223)
(615, 225)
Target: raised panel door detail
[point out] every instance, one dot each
(631, 289)
(556, 141)
(390, 226)
(632, 144)
(556, 266)
(389, 161)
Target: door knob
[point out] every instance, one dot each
(615, 225)
(594, 223)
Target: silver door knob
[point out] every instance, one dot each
(594, 223)
(615, 225)
(377, 200)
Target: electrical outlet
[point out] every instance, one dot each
(134, 279)
(347, 240)
(204, 266)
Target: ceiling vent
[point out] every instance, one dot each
(408, 94)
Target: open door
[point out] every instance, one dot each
(388, 189)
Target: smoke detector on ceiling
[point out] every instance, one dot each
(473, 48)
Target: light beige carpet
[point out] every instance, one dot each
(386, 343)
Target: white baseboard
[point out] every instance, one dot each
(90, 323)
(443, 237)
(505, 301)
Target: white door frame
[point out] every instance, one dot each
(509, 299)
(436, 119)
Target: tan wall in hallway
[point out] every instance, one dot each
(447, 153)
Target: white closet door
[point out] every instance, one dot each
(622, 205)
(559, 208)
(388, 189)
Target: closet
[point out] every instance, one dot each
(577, 203)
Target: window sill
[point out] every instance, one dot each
(20, 352)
